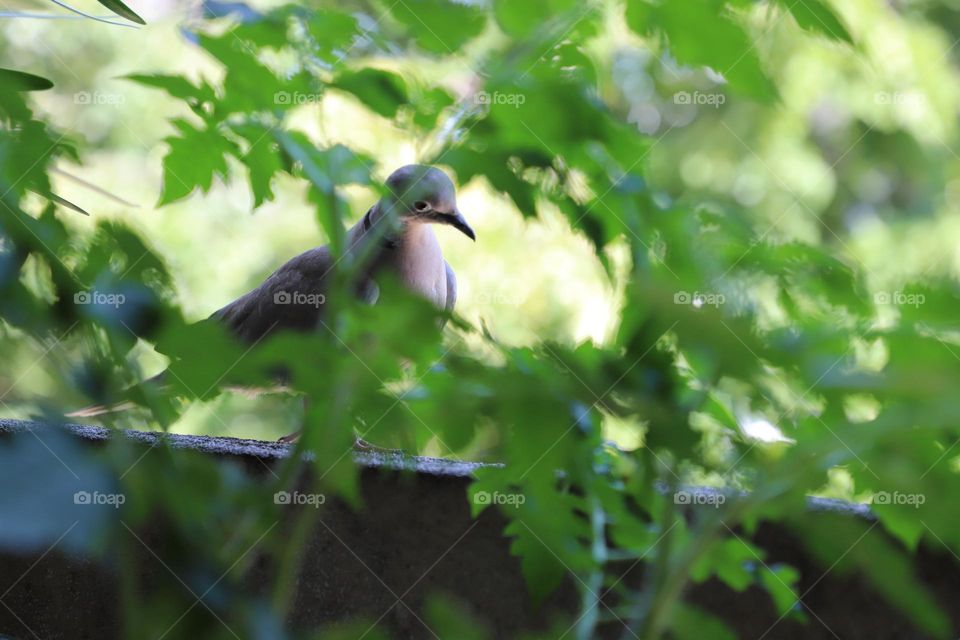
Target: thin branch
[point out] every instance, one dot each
(94, 188)
(92, 17)
(51, 16)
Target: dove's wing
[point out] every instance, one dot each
(292, 297)
(451, 288)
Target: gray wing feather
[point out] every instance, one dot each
(451, 288)
(290, 298)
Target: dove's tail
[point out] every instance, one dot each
(124, 405)
(100, 409)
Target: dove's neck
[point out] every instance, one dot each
(397, 234)
(410, 251)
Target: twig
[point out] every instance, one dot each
(49, 16)
(92, 186)
(92, 17)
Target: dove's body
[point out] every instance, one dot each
(293, 297)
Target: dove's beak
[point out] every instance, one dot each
(459, 222)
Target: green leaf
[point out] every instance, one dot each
(66, 203)
(176, 86)
(122, 10)
(817, 16)
(332, 32)
(325, 169)
(262, 159)
(730, 560)
(717, 409)
(249, 86)
(440, 26)
(520, 19)
(901, 521)
(780, 581)
(701, 32)
(842, 545)
(542, 567)
(13, 80)
(267, 31)
(468, 163)
(194, 158)
(384, 92)
(691, 623)
(428, 105)
(338, 165)
(449, 618)
(25, 155)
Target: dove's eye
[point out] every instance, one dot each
(421, 206)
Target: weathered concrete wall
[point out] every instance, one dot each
(414, 536)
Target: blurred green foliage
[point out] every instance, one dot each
(717, 246)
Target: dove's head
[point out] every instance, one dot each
(418, 193)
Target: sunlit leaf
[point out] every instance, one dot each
(440, 26)
(701, 32)
(384, 92)
(195, 157)
(817, 16)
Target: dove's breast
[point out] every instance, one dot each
(418, 262)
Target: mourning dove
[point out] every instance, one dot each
(292, 296)
(397, 235)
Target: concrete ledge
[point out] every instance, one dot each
(413, 537)
(264, 450)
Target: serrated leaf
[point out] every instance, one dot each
(194, 158)
(325, 169)
(428, 106)
(817, 16)
(176, 86)
(266, 31)
(520, 19)
(332, 31)
(249, 85)
(701, 32)
(262, 159)
(691, 623)
(901, 521)
(440, 26)
(384, 92)
(542, 568)
(729, 560)
(780, 581)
